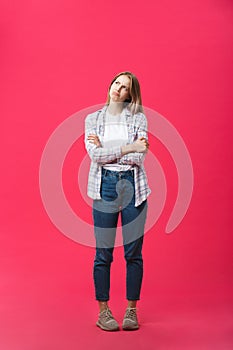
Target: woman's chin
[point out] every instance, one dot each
(115, 99)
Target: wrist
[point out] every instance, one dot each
(127, 149)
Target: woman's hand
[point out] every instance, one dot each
(94, 139)
(140, 145)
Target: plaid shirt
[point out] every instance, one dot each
(137, 127)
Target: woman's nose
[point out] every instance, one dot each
(118, 87)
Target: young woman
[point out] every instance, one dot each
(116, 141)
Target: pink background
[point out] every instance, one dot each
(58, 57)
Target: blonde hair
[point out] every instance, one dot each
(134, 103)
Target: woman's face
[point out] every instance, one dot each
(119, 91)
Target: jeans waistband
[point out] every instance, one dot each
(107, 172)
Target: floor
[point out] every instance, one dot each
(59, 321)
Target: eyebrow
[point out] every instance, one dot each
(123, 83)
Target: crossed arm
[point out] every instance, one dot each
(133, 153)
(130, 154)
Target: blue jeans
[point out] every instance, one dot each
(118, 196)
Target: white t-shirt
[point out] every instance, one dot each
(115, 134)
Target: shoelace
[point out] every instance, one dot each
(131, 313)
(107, 315)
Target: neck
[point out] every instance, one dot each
(115, 108)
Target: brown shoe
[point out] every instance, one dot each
(130, 321)
(106, 321)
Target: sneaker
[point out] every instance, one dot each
(130, 321)
(106, 321)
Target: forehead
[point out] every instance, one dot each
(123, 79)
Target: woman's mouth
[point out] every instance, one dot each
(115, 93)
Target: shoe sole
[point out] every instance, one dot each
(133, 328)
(105, 328)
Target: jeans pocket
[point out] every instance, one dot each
(104, 173)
